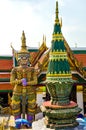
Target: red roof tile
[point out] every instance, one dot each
(4, 75)
(6, 64)
(4, 86)
(81, 58)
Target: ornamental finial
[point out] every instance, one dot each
(57, 18)
(61, 22)
(44, 40)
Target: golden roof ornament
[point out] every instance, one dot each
(44, 40)
(61, 22)
(43, 43)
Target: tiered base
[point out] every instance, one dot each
(61, 117)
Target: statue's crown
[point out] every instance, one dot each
(23, 49)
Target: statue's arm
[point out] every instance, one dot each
(13, 77)
(33, 80)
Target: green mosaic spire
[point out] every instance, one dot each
(60, 111)
(58, 68)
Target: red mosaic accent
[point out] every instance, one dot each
(49, 105)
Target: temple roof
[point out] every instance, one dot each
(6, 63)
(58, 67)
(80, 55)
(79, 49)
(82, 59)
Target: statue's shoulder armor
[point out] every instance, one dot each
(15, 69)
(31, 69)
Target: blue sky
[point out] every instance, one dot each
(36, 18)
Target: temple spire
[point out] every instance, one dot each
(60, 111)
(44, 40)
(57, 33)
(58, 64)
(57, 17)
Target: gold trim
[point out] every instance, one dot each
(17, 93)
(32, 101)
(15, 102)
(79, 88)
(59, 75)
(57, 37)
(57, 34)
(15, 111)
(30, 110)
(58, 52)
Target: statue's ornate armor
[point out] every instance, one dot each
(27, 91)
(24, 79)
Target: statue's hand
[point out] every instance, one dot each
(24, 82)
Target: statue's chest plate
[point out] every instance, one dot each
(24, 73)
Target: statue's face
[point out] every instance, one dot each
(24, 59)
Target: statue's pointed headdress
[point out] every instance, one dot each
(23, 49)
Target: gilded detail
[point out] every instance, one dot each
(23, 78)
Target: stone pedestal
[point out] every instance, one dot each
(61, 117)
